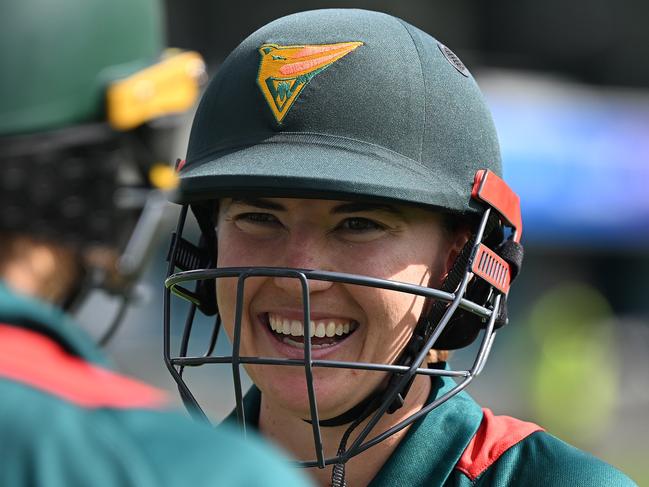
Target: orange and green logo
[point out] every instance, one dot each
(285, 70)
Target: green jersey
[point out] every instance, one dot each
(460, 444)
(67, 419)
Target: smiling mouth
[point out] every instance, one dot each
(324, 333)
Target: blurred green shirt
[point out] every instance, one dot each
(67, 419)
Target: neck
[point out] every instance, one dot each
(40, 270)
(296, 436)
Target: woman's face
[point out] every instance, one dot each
(350, 323)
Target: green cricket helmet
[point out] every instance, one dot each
(351, 105)
(344, 104)
(58, 58)
(84, 88)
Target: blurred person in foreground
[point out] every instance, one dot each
(346, 176)
(83, 87)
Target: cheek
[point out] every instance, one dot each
(226, 298)
(401, 311)
(392, 317)
(419, 274)
(412, 260)
(226, 293)
(389, 312)
(226, 288)
(236, 248)
(232, 251)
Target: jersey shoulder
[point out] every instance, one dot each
(70, 422)
(507, 451)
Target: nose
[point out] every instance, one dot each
(304, 250)
(293, 285)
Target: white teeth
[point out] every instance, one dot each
(331, 329)
(320, 329)
(296, 328)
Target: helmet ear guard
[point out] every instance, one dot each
(464, 327)
(185, 256)
(494, 264)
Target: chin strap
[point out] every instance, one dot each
(367, 406)
(355, 416)
(373, 403)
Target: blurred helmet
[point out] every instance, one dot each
(85, 88)
(352, 105)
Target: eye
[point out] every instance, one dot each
(257, 223)
(261, 218)
(359, 230)
(357, 224)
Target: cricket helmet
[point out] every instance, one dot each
(85, 89)
(350, 105)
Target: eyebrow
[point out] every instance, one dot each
(258, 203)
(351, 207)
(358, 207)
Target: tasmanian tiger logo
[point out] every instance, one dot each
(285, 70)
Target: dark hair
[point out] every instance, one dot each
(456, 222)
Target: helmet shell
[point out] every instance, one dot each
(74, 50)
(397, 118)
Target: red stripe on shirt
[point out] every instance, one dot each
(494, 437)
(38, 361)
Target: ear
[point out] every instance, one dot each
(456, 242)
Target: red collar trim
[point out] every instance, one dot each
(39, 362)
(495, 436)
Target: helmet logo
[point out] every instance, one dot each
(285, 70)
(452, 58)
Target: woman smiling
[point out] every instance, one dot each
(345, 173)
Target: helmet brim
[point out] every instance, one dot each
(319, 166)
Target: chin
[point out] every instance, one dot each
(336, 390)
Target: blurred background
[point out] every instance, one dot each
(568, 85)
